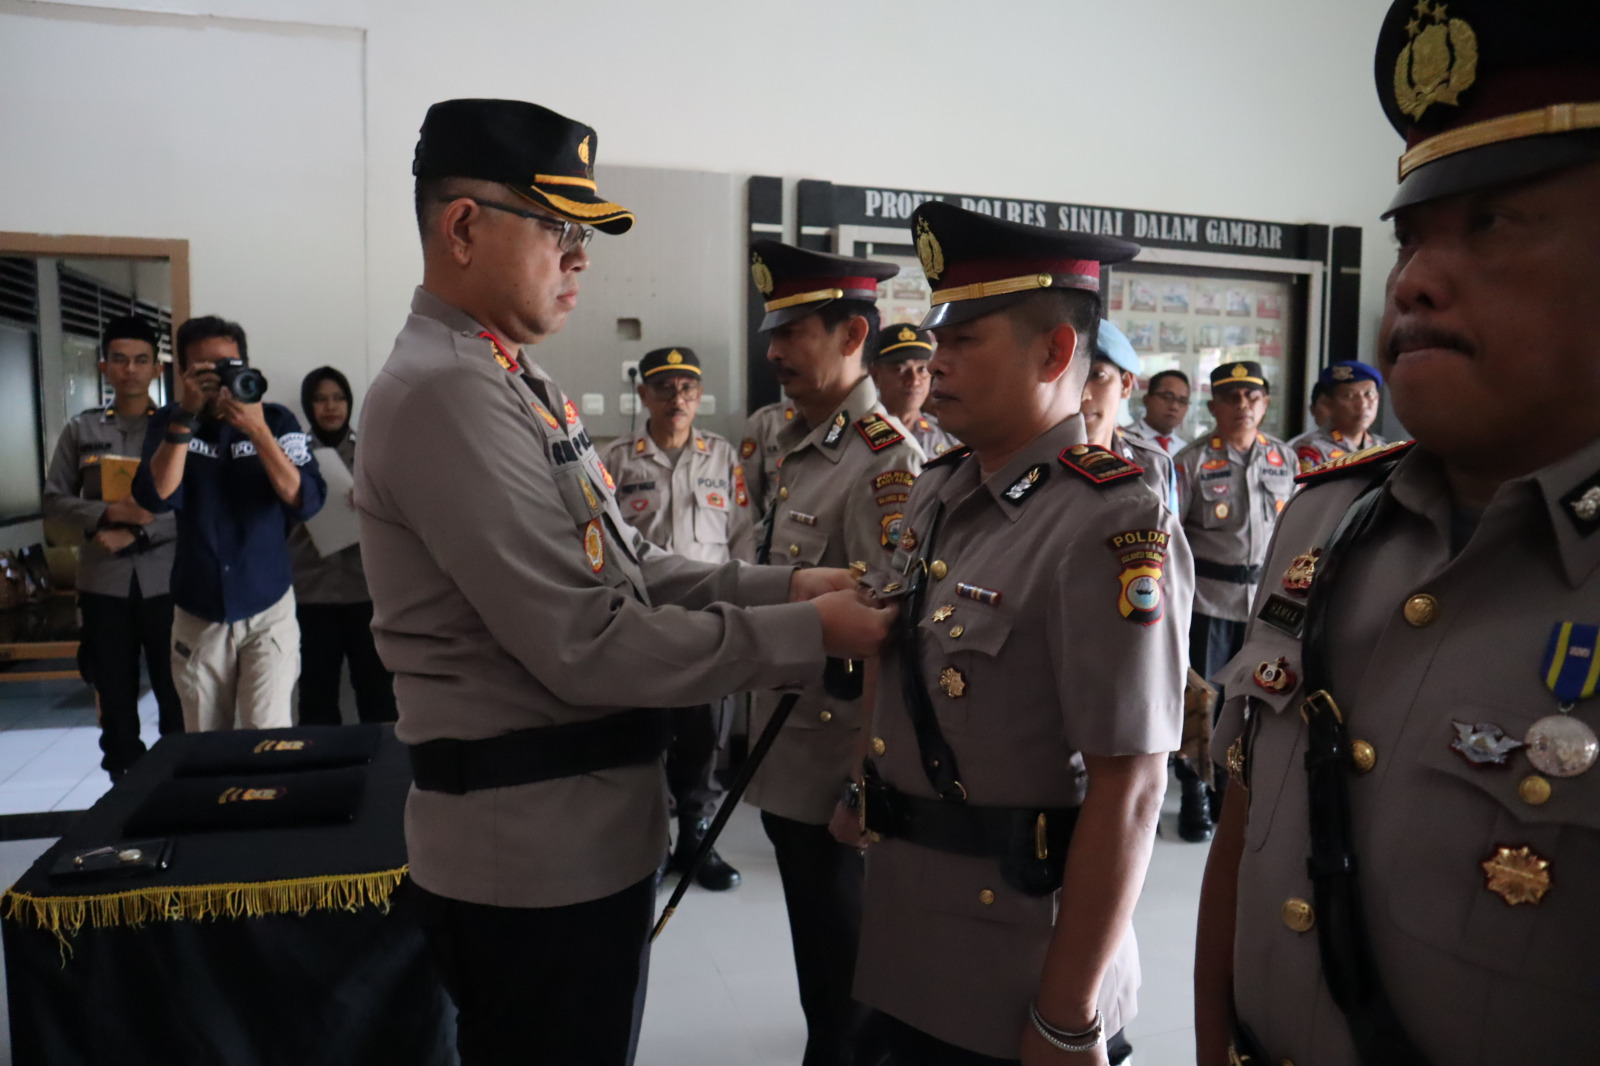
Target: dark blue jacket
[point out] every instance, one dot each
(233, 556)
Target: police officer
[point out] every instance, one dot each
(759, 454)
(1412, 879)
(1112, 374)
(846, 473)
(1025, 712)
(126, 562)
(1348, 392)
(683, 488)
(899, 369)
(532, 632)
(1231, 487)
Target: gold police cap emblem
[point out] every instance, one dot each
(1343, 373)
(1240, 370)
(928, 251)
(674, 357)
(583, 150)
(907, 334)
(760, 275)
(1438, 63)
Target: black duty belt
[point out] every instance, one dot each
(1232, 573)
(527, 756)
(1030, 842)
(1343, 937)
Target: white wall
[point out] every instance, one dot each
(1252, 108)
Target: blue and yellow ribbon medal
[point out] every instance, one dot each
(1560, 744)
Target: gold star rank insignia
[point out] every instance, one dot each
(951, 683)
(944, 612)
(1517, 875)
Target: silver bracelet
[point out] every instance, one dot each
(1062, 1040)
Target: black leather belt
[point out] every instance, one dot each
(545, 753)
(1030, 842)
(1232, 573)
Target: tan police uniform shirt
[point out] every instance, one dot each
(1318, 446)
(1228, 503)
(1156, 464)
(336, 578)
(508, 593)
(72, 494)
(697, 507)
(1476, 981)
(840, 498)
(759, 452)
(930, 436)
(1059, 665)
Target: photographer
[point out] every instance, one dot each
(126, 559)
(237, 471)
(330, 591)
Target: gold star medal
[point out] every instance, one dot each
(1297, 579)
(1517, 875)
(951, 683)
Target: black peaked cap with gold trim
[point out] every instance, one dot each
(1488, 91)
(1243, 372)
(545, 157)
(794, 282)
(902, 341)
(665, 361)
(977, 264)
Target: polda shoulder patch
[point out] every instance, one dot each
(1098, 466)
(1366, 460)
(878, 432)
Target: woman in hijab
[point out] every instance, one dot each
(332, 602)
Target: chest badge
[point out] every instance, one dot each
(976, 592)
(836, 431)
(1517, 875)
(1025, 485)
(571, 413)
(941, 613)
(1275, 457)
(1483, 743)
(951, 683)
(908, 539)
(1561, 744)
(641, 503)
(1275, 677)
(1222, 511)
(1302, 571)
(594, 546)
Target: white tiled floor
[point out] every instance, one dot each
(722, 987)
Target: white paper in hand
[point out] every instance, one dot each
(335, 527)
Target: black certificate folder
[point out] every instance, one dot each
(276, 751)
(240, 802)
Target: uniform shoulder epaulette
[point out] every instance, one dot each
(878, 432)
(1367, 460)
(1098, 466)
(949, 458)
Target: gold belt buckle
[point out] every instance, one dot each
(1318, 703)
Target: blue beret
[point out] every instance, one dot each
(1112, 346)
(1348, 370)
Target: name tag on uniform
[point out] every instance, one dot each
(1283, 615)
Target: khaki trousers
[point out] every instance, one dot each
(236, 675)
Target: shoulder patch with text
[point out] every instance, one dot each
(1142, 554)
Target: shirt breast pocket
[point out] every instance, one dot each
(710, 520)
(795, 543)
(962, 653)
(1470, 815)
(1218, 509)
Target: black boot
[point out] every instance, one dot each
(714, 875)
(1194, 811)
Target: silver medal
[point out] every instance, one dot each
(1561, 746)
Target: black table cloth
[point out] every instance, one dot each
(265, 946)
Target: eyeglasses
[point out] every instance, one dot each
(571, 235)
(667, 390)
(1172, 398)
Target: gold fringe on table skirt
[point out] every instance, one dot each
(66, 915)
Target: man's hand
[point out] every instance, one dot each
(114, 540)
(247, 418)
(816, 581)
(128, 513)
(846, 827)
(200, 384)
(852, 627)
(1036, 1051)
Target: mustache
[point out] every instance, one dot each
(1410, 337)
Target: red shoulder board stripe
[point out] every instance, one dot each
(1097, 465)
(878, 432)
(1345, 464)
(949, 458)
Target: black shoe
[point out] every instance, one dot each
(714, 875)
(1194, 812)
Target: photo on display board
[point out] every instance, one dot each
(1207, 300)
(1114, 296)
(1235, 336)
(1268, 305)
(1142, 335)
(1141, 295)
(1270, 340)
(1208, 336)
(1174, 337)
(1239, 303)
(1175, 298)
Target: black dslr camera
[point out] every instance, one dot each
(246, 383)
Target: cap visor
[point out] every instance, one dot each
(948, 314)
(1495, 164)
(601, 214)
(784, 315)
